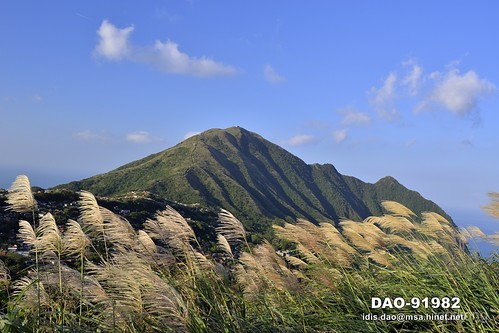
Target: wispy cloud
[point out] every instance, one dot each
(139, 137)
(383, 98)
(351, 116)
(271, 75)
(409, 143)
(88, 135)
(103, 136)
(301, 140)
(412, 79)
(114, 45)
(340, 135)
(36, 98)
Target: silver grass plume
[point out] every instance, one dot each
(475, 232)
(397, 209)
(27, 235)
(75, 240)
(224, 244)
(172, 229)
(90, 214)
(493, 239)
(391, 223)
(118, 230)
(230, 227)
(19, 197)
(146, 244)
(30, 292)
(335, 240)
(493, 206)
(50, 239)
(137, 291)
(268, 268)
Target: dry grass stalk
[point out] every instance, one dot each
(418, 249)
(171, 229)
(335, 240)
(118, 230)
(475, 232)
(370, 232)
(74, 238)
(248, 279)
(394, 224)
(328, 277)
(224, 244)
(493, 206)
(465, 233)
(297, 262)
(430, 227)
(356, 239)
(297, 234)
(438, 217)
(311, 228)
(381, 257)
(19, 197)
(230, 227)
(50, 238)
(437, 247)
(26, 290)
(493, 239)
(201, 263)
(90, 213)
(308, 255)
(26, 234)
(121, 279)
(397, 209)
(146, 244)
(269, 267)
(164, 304)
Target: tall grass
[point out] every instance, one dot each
(99, 274)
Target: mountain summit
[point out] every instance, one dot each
(257, 180)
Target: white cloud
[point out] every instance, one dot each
(139, 137)
(339, 135)
(382, 98)
(458, 93)
(168, 58)
(271, 75)
(190, 134)
(113, 42)
(413, 79)
(352, 116)
(114, 45)
(89, 135)
(448, 90)
(300, 140)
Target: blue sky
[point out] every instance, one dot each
(407, 89)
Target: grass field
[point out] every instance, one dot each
(99, 274)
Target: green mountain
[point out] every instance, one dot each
(255, 179)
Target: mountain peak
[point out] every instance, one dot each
(257, 180)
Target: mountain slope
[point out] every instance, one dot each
(254, 178)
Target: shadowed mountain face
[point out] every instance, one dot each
(255, 179)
